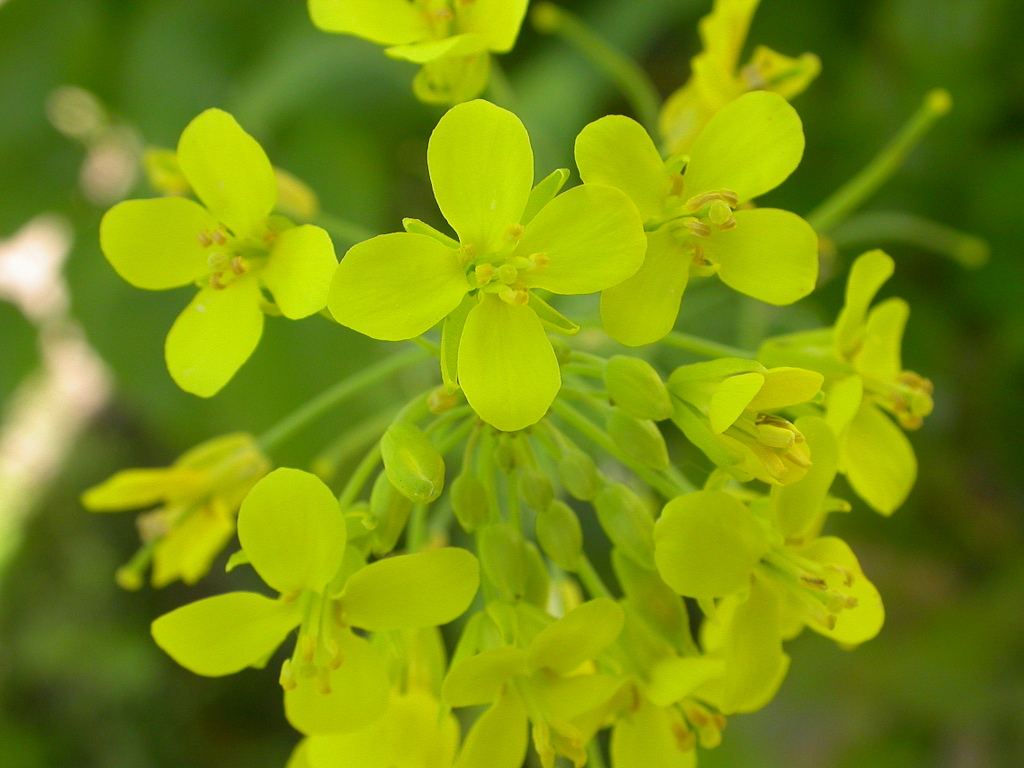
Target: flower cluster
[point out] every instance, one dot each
(465, 510)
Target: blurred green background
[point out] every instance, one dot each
(81, 683)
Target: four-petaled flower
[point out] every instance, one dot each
(230, 247)
(294, 535)
(865, 379)
(494, 344)
(698, 221)
(198, 497)
(451, 39)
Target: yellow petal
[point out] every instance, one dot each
(577, 637)
(496, 21)
(479, 679)
(592, 236)
(644, 738)
(878, 459)
(616, 151)
(154, 244)
(481, 169)
(771, 255)
(732, 397)
(229, 172)
(299, 271)
(130, 489)
(644, 308)
(498, 739)
(750, 146)
(868, 273)
(879, 356)
(432, 50)
(386, 22)
(795, 507)
(784, 387)
(507, 367)
(397, 286)
(214, 335)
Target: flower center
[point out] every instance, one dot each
(909, 398)
(820, 588)
(317, 652)
(503, 272)
(231, 257)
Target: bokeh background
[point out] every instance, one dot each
(81, 684)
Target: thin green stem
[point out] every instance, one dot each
(337, 394)
(870, 229)
(326, 464)
(343, 231)
(704, 347)
(417, 536)
(630, 78)
(857, 190)
(360, 475)
(595, 434)
(591, 579)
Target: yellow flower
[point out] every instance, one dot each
(716, 78)
(451, 39)
(198, 498)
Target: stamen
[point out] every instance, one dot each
(219, 236)
(239, 266)
(287, 676)
(514, 232)
(697, 228)
(204, 239)
(336, 657)
(517, 297)
(540, 260)
(323, 682)
(307, 648)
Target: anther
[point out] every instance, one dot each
(517, 297)
(698, 228)
(323, 682)
(337, 658)
(215, 282)
(204, 239)
(540, 260)
(813, 582)
(514, 232)
(238, 265)
(846, 573)
(287, 676)
(307, 646)
(219, 236)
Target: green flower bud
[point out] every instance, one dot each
(578, 474)
(627, 522)
(390, 511)
(502, 553)
(469, 501)
(560, 535)
(640, 439)
(637, 389)
(535, 487)
(412, 462)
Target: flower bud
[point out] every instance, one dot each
(469, 501)
(578, 474)
(637, 389)
(560, 535)
(537, 583)
(390, 511)
(627, 522)
(412, 462)
(503, 556)
(535, 487)
(640, 439)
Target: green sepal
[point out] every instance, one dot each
(451, 335)
(700, 434)
(237, 559)
(417, 227)
(553, 320)
(544, 193)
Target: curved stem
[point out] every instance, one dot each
(857, 190)
(585, 426)
(334, 396)
(591, 579)
(869, 229)
(359, 478)
(630, 78)
(704, 347)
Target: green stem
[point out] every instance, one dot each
(704, 347)
(326, 465)
(591, 579)
(334, 396)
(417, 535)
(344, 231)
(359, 478)
(867, 229)
(630, 78)
(585, 426)
(857, 190)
